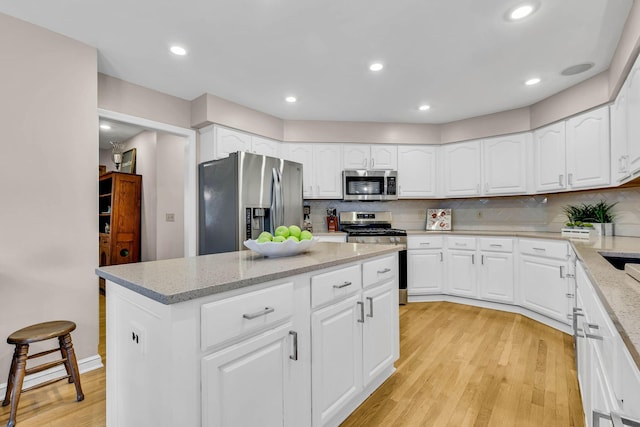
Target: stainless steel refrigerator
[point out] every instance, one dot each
(243, 195)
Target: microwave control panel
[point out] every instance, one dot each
(391, 185)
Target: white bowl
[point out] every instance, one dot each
(286, 248)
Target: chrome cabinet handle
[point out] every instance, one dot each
(373, 162)
(486, 187)
(482, 259)
(561, 180)
(441, 257)
(540, 249)
(361, 319)
(264, 312)
(344, 285)
(570, 179)
(460, 244)
(561, 273)
(370, 307)
(425, 243)
(473, 259)
(588, 326)
(495, 245)
(295, 345)
(386, 270)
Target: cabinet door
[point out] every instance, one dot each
(303, 153)
(384, 157)
(505, 164)
(336, 371)
(619, 156)
(461, 166)
(462, 275)
(264, 146)
(356, 156)
(378, 331)
(601, 394)
(633, 112)
(425, 272)
(542, 288)
(497, 276)
(229, 141)
(549, 158)
(417, 171)
(327, 169)
(588, 149)
(254, 371)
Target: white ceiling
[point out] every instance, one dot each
(460, 56)
(119, 132)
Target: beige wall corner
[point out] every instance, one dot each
(626, 52)
(369, 132)
(128, 98)
(199, 112)
(505, 122)
(576, 99)
(49, 185)
(230, 114)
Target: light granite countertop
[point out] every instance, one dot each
(619, 292)
(182, 279)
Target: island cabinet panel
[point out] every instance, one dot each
(259, 355)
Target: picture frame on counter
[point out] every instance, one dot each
(438, 220)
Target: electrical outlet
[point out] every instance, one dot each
(479, 215)
(170, 217)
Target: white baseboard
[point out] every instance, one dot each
(84, 365)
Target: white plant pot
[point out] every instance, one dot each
(604, 228)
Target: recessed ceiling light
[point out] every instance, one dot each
(424, 107)
(376, 66)
(577, 69)
(291, 99)
(532, 82)
(520, 12)
(178, 50)
(105, 127)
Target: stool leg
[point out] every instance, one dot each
(66, 364)
(66, 347)
(12, 374)
(20, 357)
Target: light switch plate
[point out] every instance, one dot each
(170, 217)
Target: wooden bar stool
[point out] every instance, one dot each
(60, 329)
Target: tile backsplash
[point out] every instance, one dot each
(521, 213)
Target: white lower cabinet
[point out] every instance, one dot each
(609, 378)
(252, 373)
(461, 266)
(425, 265)
(354, 338)
(497, 276)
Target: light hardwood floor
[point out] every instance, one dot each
(459, 366)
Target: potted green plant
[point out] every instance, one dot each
(603, 217)
(598, 216)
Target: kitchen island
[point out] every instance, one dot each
(239, 339)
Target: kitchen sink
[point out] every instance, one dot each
(618, 260)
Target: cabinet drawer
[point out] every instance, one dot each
(235, 316)
(464, 243)
(425, 242)
(544, 248)
(496, 244)
(379, 270)
(335, 284)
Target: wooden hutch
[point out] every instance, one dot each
(119, 218)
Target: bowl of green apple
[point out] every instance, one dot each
(285, 241)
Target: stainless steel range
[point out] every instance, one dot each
(375, 227)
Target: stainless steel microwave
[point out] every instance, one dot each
(369, 185)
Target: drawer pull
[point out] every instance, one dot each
(386, 270)
(586, 327)
(264, 312)
(495, 245)
(460, 244)
(344, 285)
(425, 243)
(539, 249)
(295, 345)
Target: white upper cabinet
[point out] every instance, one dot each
(618, 121)
(321, 168)
(632, 115)
(588, 149)
(417, 171)
(549, 145)
(375, 157)
(505, 164)
(217, 142)
(461, 169)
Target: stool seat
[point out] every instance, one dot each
(60, 329)
(41, 332)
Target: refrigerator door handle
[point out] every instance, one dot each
(280, 197)
(274, 200)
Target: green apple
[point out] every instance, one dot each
(283, 231)
(294, 238)
(265, 235)
(278, 239)
(294, 230)
(306, 235)
(263, 239)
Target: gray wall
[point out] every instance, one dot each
(48, 184)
